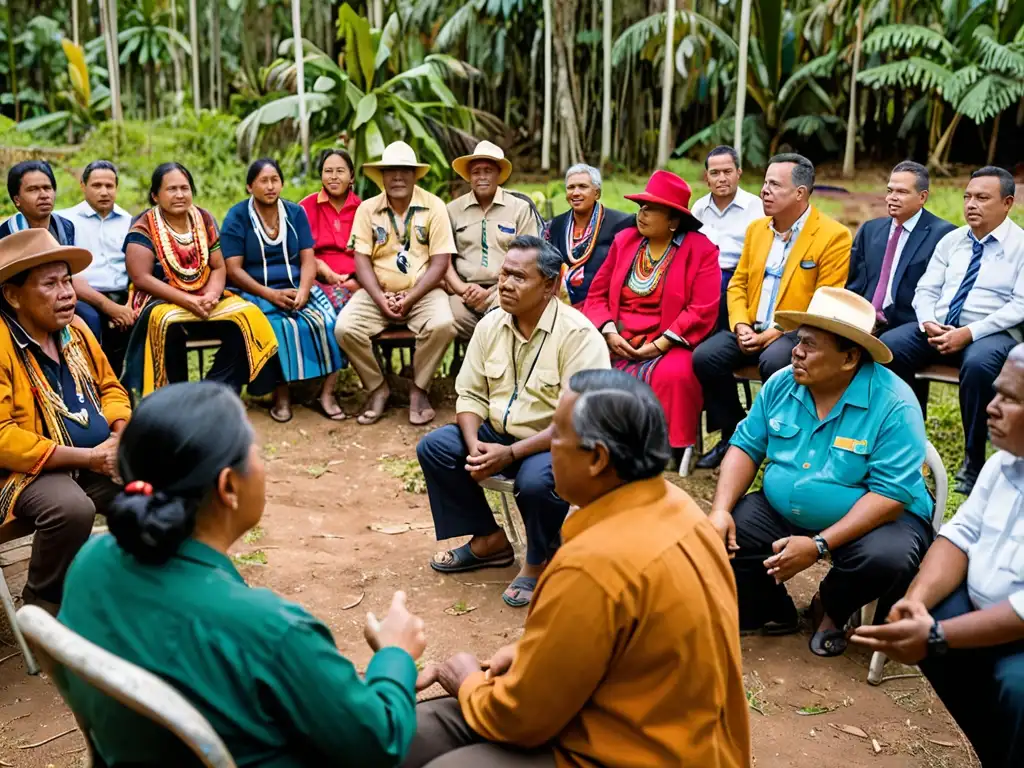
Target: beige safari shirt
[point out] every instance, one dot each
(514, 382)
(374, 235)
(482, 238)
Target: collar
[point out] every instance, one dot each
(631, 496)
(18, 333)
(470, 199)
(203, 554)
(999, 233)
(546, 322)
(322, 196)
(798, 225)
(741, 200)
(419, 200)
(86, 211)
(909, 224)
(857, 394)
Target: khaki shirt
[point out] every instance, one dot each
(482, 238)
(374, 235)
(514, 382)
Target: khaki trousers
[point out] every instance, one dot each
(465, 318)
(430, 319)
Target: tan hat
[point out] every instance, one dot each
(30, 248)
(843, 313)
(485, 150)
(397, 154)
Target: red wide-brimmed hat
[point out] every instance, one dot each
(667, 189)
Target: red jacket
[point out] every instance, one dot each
(689, 308)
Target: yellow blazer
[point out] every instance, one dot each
(820, 256)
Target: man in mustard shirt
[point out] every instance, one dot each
(518, 362)
(485, 221)
(402, 240)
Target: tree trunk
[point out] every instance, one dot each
(545, 145)
(531, 109)
(851, 124)
(993, 141)
(935, 159)
(11, 62)
(741, 79)
(193, 31)
(217, 81)
(176, 59)
(667, 82)
(148, 77)
(74, 21)
(606, 84)
(300, 83)
(378, 14)
(113, 68)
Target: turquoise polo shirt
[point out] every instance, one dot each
(265, 673)
(873, 440)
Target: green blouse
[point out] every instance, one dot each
(264, 672)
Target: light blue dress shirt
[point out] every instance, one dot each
(989, 529)
(104, 239)
(872, 440)
(774, 266)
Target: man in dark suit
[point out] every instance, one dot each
(891, 253)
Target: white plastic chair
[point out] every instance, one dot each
(139, 690)
(505, 487)
(15, 549)
(868, 613)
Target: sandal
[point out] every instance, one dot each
(422, 418)
(522, 585)
(279, 417)
(317, 406)
(462, 559)
(374, 412)
(827, 642)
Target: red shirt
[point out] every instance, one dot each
(332, 229)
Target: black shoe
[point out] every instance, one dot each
(966, 478)
(961, 474)
(713, 458)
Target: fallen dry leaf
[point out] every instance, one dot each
(853, 730)
(453, 611)
(391, 530)
(357, 601)
(943, 743)
(876, 746)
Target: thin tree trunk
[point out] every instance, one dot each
(148, 77)
(217, 81)
(935, 160)
(378, 14)
(300, 83)
(606, 86)
(176, 58)
(994, 140)
(531, 109)
(113, 68)
(193, 31)
(545, 146)
(667, 81)
(741, 79)
(74, 21)
(851, 123)
(11, 62)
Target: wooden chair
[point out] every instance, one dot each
(61, 650)
(387, 341)
(943, 374)
(15, 551)
(743, 376)
(505, 487)
(203, 349)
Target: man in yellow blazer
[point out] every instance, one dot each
(787, 256)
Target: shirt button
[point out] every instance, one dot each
(807, 465)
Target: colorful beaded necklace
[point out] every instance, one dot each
(186, 266)
(647, 270)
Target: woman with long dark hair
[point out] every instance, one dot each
(162, 593)
(268, 249)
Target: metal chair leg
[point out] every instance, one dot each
(8, 601)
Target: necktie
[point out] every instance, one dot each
(956, 306)
(883, 279)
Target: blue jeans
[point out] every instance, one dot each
(458, 503)
(983, 688)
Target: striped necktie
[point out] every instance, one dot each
(956, 306)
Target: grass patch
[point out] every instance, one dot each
(317, 471)
(254, 534)
(256, 557)
(407, 471)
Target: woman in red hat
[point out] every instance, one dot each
(656, 297)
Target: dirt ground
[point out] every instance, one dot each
(328, 483)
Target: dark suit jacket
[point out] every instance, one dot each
(869, 251)
(614, 222)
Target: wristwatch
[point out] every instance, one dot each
(823, 551)
(937, 645)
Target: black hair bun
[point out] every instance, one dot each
(151, 527)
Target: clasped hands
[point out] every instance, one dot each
(947, 339)
(396, 305)
(201, 304)
(752, 342)
(619, 347)
(476, 297)
(487, 459)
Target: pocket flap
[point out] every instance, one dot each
(494, 369)
(548, 377)
(781, 429)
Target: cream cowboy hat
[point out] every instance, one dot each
(485, 150)
(843, 313)
(398, 154)
(32, 248)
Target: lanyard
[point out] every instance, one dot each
(405, 237)
(515, 372)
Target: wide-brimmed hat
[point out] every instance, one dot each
(397, 154)
(34, 247)
(485, 150)
(667, 189)
(843, 313)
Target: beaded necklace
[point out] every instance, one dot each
(647, 270)
(184, 258)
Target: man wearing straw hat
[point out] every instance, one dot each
(402, 240)
(485, 221)
(61, 408)
(844, 441)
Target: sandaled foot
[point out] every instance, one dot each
(375, 406)
(330, 409)
(463, 559)
(282, 414)
(420, 410)
(825, 641)
(421, 418)
(520, 592)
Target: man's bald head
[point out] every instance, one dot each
(1006, 411)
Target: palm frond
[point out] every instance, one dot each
(808, 125)
(914, 72)
(959, 83)
(989, 96)
(996, 56)
(821, 66)
(634, 39)
(907, 37)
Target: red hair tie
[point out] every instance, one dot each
(138, 486)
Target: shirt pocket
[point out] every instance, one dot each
(783, 442)
(545, 385)
(847, 467)
(494, 371)
(505, 234)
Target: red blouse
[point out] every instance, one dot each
(332, 229)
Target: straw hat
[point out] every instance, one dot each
(398, 154)
(667, 189)
(30, 248)
(485, 150)
(843, 313)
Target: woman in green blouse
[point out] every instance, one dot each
(162, 593)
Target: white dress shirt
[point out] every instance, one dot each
(908, 227)
(989, 529)
(996, 302)
(728, 229)
(773, 269)
(104, 239)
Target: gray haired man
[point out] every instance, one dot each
(519, 360)
(584, 233)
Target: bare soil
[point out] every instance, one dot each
(328, 483)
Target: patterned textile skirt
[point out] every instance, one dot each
(306, 347)
(144, 364)
(674, 383)
(337, 295)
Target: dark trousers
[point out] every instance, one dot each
(714, 362)
(62, 509)
(230, 362)
(444, 740)
(878, 566)
(114, 341)
(457, 501)
(723, 306)
(979, 364)
(983, 689)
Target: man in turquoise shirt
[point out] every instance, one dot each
(844, 441)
